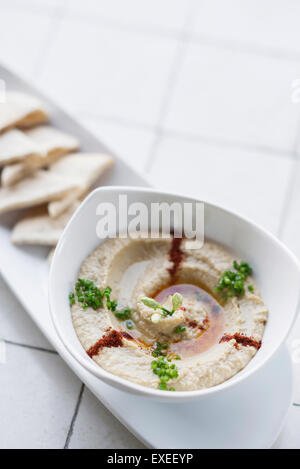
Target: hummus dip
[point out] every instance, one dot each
(202, 343)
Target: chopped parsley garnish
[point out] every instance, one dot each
(111, 304)
(250, 288)
(243, 268)
(158, 351)
(129, 324)
(232, 282)
(162, 367)
(123, 314)
(179, 329)
(72, 298)
(89, 295)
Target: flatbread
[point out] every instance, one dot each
(42, 229)
(21, 110)
(51, 139)
(41, 187)
(86, 169)
(57, 207)
(16, 146)
(51, 144)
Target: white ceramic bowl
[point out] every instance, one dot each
(276, 272)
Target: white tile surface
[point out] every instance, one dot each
(37, 399)
(46, 6)
(225, 175)
(15, 323)
(96, 428)
(113, 73)
(233, 96)
(130, 143)
(263, 23)
(109, 63)
(23, 50)
(166, 14)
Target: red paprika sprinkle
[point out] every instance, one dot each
(242, 340)
(113, 339)
(193, 324)
(175, 256)
(126, 335)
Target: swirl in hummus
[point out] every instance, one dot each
(202, 343)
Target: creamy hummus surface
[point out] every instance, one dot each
(204, 340)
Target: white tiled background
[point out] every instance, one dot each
(194, 94)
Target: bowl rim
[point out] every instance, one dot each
(127, 385)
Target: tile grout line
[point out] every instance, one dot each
(32, 347)
(129, 27)
(190, 137)
(169, 33)
(56, 22)
(74, 417)
(228, 143)
(195, 38)
(244, 48)
(35, 9)
(170, 85)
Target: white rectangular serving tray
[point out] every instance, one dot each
(25, 269)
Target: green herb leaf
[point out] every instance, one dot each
(162, 366)
(163, 386)
(232, 282)
(88, 294)
(72, 298)
(179, 329)
(129, 324)
(176, 301)
(123, 314)
(111, 304)
(150, 302)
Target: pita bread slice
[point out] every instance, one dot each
(86, 169)
(21, 110)
(41, 229)
(52, 144)
(57, 207)
(16, 146)
(52, 140)
(41, 187)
